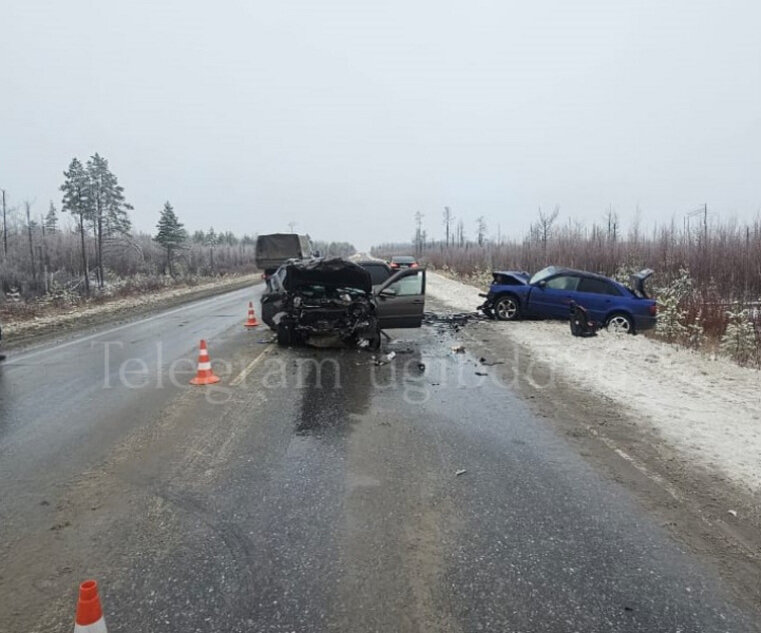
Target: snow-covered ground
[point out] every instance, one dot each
(708, 408)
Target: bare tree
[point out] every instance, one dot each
(480, 230)
(611, 218)
(30, 226)
(419, 239)
(448, 220)
(460, 233)
(544, 225)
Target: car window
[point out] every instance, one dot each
(378, 272)
(563, 282)
(597, 286)
(409, 285)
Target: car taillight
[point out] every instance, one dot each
(394, 265)
(654, 309)
(413, 265)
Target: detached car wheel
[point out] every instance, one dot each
(507, 308)
(620, 324)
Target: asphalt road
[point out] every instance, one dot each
(313, 490)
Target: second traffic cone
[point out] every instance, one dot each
(251, 322)
(89, 617)
(205, 375)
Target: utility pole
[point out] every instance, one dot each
(705, 223)
(291, 225)
(5, 229)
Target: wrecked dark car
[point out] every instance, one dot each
(331, 302)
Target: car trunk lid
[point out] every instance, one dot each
(637, 281)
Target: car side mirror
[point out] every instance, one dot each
(387, 292)
(542, 284)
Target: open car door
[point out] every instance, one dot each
(401, 299)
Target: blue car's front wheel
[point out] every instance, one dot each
(620, 323)
(507, 308)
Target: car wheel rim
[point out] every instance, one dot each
(620, 324)
(507, 308)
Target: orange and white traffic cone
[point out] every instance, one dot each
(89, 617)
(251, 322)
(205, 375)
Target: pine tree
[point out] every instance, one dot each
(671, 315)
(51, 220)
(739, 339)
(212, 239)
(108, 207)
(171, 233)
(76, 201)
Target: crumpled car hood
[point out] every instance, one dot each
(334, 272)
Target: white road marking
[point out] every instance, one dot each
(655, 477)
(247, 370)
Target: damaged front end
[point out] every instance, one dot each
(328, 303)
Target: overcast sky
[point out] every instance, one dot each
(348, 116)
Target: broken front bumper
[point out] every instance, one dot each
(487, 307)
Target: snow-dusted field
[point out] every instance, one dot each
(707, 408)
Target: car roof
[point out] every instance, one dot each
(402, 258)
(583, 273)
(371, 262)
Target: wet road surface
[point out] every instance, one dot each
(313, 490)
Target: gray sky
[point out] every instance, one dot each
(348, 116)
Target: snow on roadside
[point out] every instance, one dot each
(709, 409)
(113, 305)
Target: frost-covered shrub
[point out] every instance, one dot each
(739, 339)
(672, 323)
(623, 272)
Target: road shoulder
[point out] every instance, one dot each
(22, 336)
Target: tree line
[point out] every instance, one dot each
(707, 275)
(90, 239)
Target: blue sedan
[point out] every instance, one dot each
(550, 292)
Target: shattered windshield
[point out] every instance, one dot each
(543, 274)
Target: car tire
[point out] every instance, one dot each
(375, 342)
(284, 334)
(621, 323)
(507, 308)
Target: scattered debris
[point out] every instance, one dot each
(384, 359)
(481, 373)
(732, 512)
(487, 363)
(454, 321)
(421, 366)
(460, 472)
(458, 349)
